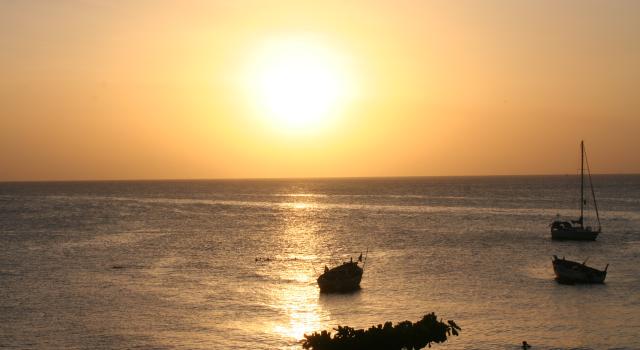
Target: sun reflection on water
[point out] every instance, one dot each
(301, 205)
(298, 301)
(303, 314)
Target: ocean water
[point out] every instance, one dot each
(233, 264)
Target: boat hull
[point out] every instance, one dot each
(571, 272)
(341, 279)
(574, 234)
(345, 285)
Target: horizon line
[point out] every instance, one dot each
(297, 178)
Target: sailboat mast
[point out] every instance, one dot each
(581, 183)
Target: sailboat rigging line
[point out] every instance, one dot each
(581, 184)
(593, 193)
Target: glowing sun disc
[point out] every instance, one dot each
(298, 83)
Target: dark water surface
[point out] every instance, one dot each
(172, 264)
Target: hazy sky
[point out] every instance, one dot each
(167, 89)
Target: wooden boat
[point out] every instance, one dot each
(343, 278)
(575, 230)
(571, 272)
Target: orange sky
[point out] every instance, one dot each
(159, 89)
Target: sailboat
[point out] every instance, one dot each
(575, 230)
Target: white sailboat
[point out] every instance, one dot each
(575, 230)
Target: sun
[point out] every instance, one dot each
(299, 83)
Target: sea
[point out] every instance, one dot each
(232, 264)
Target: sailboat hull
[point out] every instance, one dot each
(574, 234)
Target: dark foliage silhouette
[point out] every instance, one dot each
(404, 335)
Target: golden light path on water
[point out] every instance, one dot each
(303, 311)
(299, 300)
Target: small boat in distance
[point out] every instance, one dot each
(343, 278)
(575, 229)
(571, 272)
